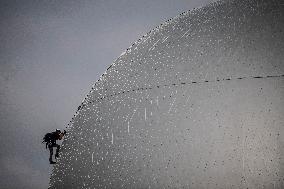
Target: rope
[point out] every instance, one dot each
(184, 83)
(175, 84)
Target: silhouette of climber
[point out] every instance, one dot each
(50, 139)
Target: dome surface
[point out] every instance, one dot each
(198, 102)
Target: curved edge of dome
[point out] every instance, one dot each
(144, 37)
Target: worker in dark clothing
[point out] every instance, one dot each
(50, 139)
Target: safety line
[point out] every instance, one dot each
(179, 84)
(174, 84)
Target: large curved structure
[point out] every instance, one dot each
(198, 102)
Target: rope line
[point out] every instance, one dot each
(182, 83)
(173, 84)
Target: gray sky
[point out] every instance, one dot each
(51, 53)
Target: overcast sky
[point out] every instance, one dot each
(51, 53)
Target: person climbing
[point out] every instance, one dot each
(50, 140)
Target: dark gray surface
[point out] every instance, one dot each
(51, 52)
(198, 102)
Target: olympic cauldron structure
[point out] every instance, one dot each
(198, 102)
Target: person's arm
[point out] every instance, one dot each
(61, 135)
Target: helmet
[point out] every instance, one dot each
(58, 131)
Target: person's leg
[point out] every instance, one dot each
(50, 152)
(57, 150)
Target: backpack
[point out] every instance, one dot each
(47, 138)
